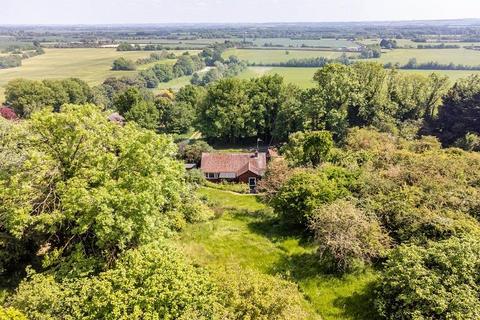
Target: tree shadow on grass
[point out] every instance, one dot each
(359, 305)
(275, 230)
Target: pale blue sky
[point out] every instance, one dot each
(187, 11)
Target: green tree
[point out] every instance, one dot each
(163, 72)
(226, 111)
(90, 187)
(306, 190)
(459, 113)
(138, 106)
(151, 282)
(310, 148)
(267, 94)
(123, 64)
(28, 96)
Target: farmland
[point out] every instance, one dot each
(91, 65)
(444, 56)
(260, 56)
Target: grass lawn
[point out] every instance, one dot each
(275, 56)
(91, 64)
(256, 240)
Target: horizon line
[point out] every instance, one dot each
(233, 23)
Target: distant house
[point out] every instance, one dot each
(234, 167)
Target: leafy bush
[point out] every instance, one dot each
(250, 295)
(123, 64)
(437, 282)
(306, 190)
(345, 233)
(192, 152)
(11, 314)
(152, 282)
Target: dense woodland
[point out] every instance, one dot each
(379, 173)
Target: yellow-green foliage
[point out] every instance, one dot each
(416, 189)
(253, 295)
(11, 314)
(437, 282)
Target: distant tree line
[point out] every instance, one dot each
(228, 68)
(438, 46)
(19, 53)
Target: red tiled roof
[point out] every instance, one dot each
(237, 163)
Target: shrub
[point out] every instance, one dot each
(306, 190)
(250, 295)
(152, 282)
(345, 233)
(192, 153)
(123, 64)
(11, 314)
(8, 113)
(437, 282)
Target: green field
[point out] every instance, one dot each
(445, 56)
(276, 56)
(254, 239)
(287, 42)
(92, 65)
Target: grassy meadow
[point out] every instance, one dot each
(444, 56)
(246, 233)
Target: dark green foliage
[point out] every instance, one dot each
(460, 112)
(125, 47)
(138, 106)
(192, 152)
(150, 78)
(163, 72)
(308, 149)
(439, 281)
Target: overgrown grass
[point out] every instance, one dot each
(251, 236)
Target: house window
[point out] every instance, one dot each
(252, 181)
(211, 175)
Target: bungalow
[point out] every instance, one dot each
(234, 167)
